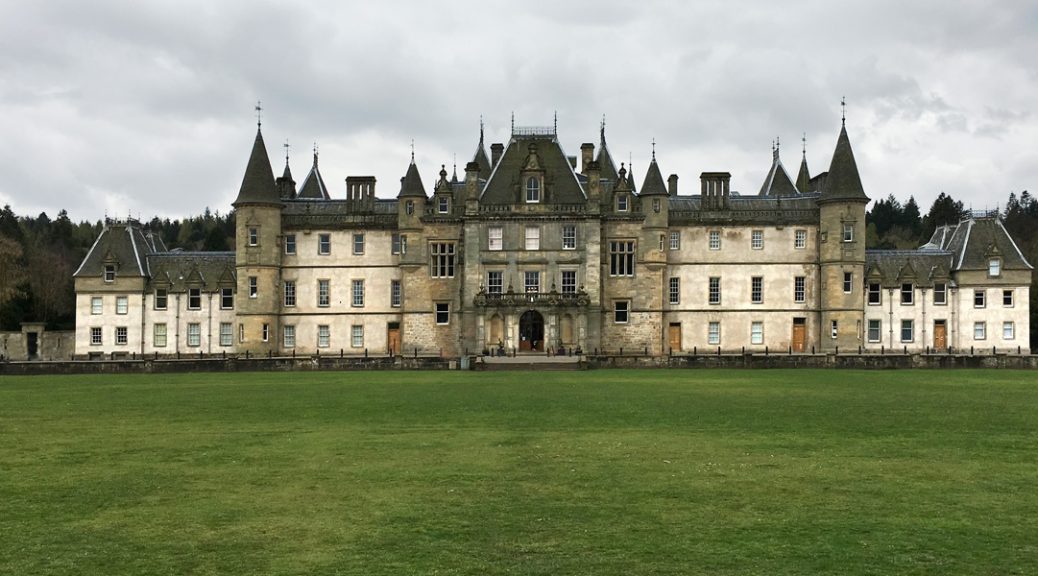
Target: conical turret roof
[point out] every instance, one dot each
(843, 182)
(257, 187)
(804, 176)
(654, 184)
(411, 186)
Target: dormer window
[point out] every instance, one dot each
(621, 203)
(533, 189)
(444, 205)
(994, 267)
(109, 273)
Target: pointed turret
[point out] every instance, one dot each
(480, 157)
(313, 187)
(804, 176)
(605, 160)
(777, 182)
(843, 182)
(411, 184)
(654, 184)
(258, 187)
(285, 184)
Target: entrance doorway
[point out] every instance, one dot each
(940, 335)
(799, 334)
(531, 331)
(32, 344)
(393, 338)
(674, 336)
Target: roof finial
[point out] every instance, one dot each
(653, 149)
(412, 150)
(555, 127)
(843, 111)
(803, 140)
(259, 114)
(481, 130)
(513, 122)
(286, 151)
(602, 128)
(315, 153)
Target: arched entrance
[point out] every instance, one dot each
(531, 331)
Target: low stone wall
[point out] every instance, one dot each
(837, 361)
(230, 364)
(51, 345)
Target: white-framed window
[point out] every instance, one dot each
(395, 293)
(443, 313)
(799, 291)
(226, 334)
(358, 244)
(799, 239)
(241, 332)
(288, 336)
(940, 293)
(95, 336)
(621, 311)
(1008, 330)
(569, 281)
(158, 338)
(495, 282)
(358, 294)
(621, 258)
(442, 254)
(253, 287)
(875, 330)
(290, 243)
(1007, 298)
(226, 298)
(875, 294)
(324, 293)
(675, 240)
(569, 237)
(109, 273)
(121, 335)
(324, 244)
(756, 332)
(663, 242)
(161, 298)
(757, 239)
(714, 239)
(848, 282)
(265, 332)
(907, 293)
(495, 238)
(122, 304)
(533, 189)
(834, 329)
(194, 334)
(290, 293)
(531, 281)
(907, 330)
(980, 330)
(674, 290)
(194, 298)
(757, 289)
(714, 290)
(994, 267)
(356, 336)
(622, 201)
(848, 232)
(713, 333)
(253, 236)
(533, 238)
(96, 305)
(443, 205)
(409, 207)
(398, 243)
(979, 298)
(324, 336)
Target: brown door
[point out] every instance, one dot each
(799, 334)
(674, 336)
(394, 337)
(940, 335)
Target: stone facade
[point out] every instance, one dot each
(534, 250)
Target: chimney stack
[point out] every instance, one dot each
(497, 150)
(587, 154)
(672, 185)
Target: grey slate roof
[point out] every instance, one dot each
(257, 187)
(123, 244)
(313, 187)
(561, 185)
(803, 183)
(777, 182)
(411, 185)
(178, 270)
(976, 240)
(843, 182)
(891, 268)
(654, 184)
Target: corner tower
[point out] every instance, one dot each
(258, 254)
(841, 250)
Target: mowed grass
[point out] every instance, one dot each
(601, 472)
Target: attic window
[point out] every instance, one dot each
(444, 205)
(621, 203)
(533, 189)
(994, 267)
(109, 273)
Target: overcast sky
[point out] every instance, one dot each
(146, 108)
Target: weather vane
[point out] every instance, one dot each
(259, 113)
(653, 149)
(843, 110)
(286, 150)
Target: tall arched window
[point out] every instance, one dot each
(533, 189)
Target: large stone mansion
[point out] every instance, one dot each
(535, 250)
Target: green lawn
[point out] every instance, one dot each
(598, 473)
